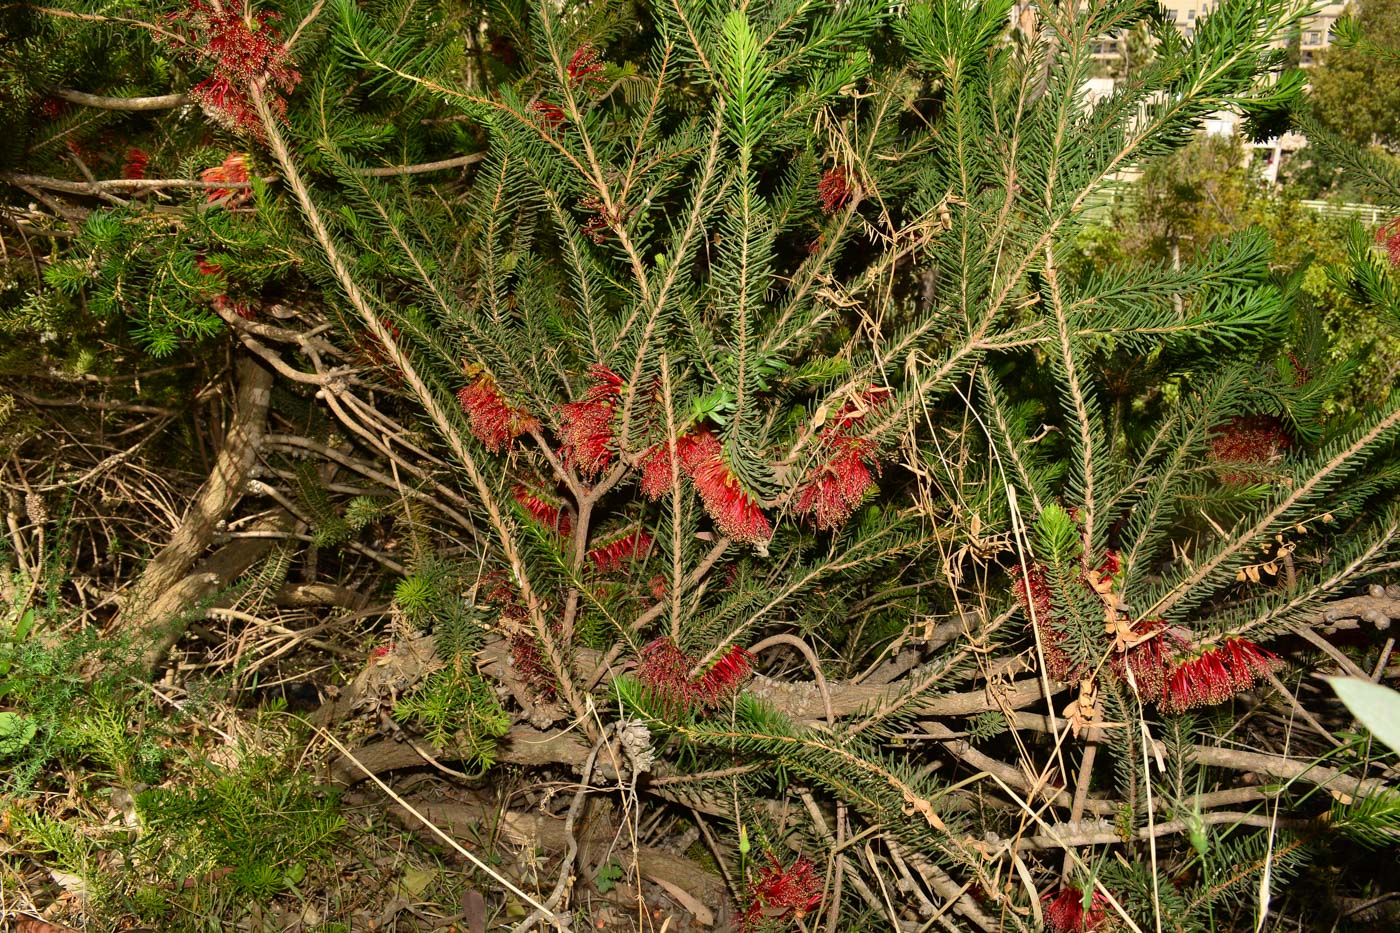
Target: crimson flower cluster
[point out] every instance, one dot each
(544, 508)
(233, 169)
(665, 671)
(615, 553)
(551, 116)
(1150, 661)
(1215, 675)
(586, 425)
(1038, 597)
(837, 485)
(1247, 443)
(494, 421)
(135, 165)
(239, 49)
(584, 67)
(1065, 911)
(735, 511)
(1389, 236)
(221, 301)
(834, 189)
(780, 891)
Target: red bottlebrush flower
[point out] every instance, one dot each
(659, 586)
(735, 512)
(1389, 236)
(551, 116)
(1058, 664)
(1251, 441)
(665, 670)
(728, 674)
(584, 67)
(831, 492)
(238, 306)
(528, 661)
(541, 509)
(240, 47)
(494, 421)
(53, 107)
(206, 267)
(1065, 911)
(234, 169)
(612, 555)
(586, 425)
(782, 891)
(1215, 675)
(135, 165)
(834, 189)
(1149, 660)
(656, 470)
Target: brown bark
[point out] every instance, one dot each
(165, 589)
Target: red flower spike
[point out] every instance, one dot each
(494, 421)
(612, 555)
(1065, 911)
(239, 48)
(547, 513)
(1058, 665)
(1215, 675)
(586, 425)
(782, 891)
(831, 492)
(656, 471)
(834, 189)
(734, 511)
(234, 169)
(135, 165)
(528, 660)
(551, 116)
(665, 670)
(1389, 236)
(584, 67)
(1251, 441)
(238, 306)
(728, 674)
(1150, 660)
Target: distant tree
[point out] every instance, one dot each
(1356, 93)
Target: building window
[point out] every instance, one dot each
(1171, 16)
(1190, 14)
(1314, 38)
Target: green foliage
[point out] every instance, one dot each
(258, 823)
(457, 711)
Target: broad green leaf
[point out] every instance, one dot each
(1377, 707)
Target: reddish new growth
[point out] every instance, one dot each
(665, 671)
(234, 169)
(551, 116)
(834, 189)
(831, 492)
(135, 165)
(1389, 236)
(586, 425)
(584, 67)
(613, 554)
(240, 48)
(494, 421)
(1216, 675)
(1249, 443)
(780, 891)
(544, 509)
(735, 512)
(1065, 911)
